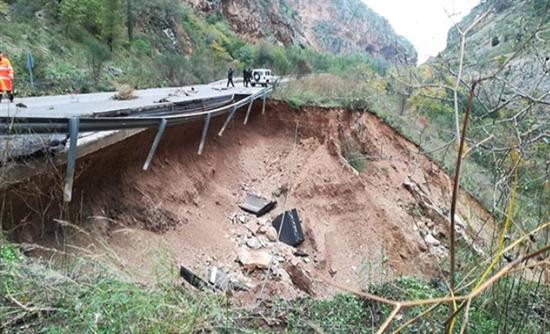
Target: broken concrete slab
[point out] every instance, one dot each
(251, 260)
(289, 228)
(192, 279)
(257, 205)
(218, 279)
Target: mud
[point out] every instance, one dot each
(361, 227)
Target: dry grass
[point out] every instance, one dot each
(124, 92)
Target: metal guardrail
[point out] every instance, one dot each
(75, 124)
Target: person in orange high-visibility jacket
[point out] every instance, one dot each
(6, 77)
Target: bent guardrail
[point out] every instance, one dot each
(75, 125)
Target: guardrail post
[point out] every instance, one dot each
(154, 146)
(71, 159)
(204, 132)
(263, 103)
(229, 117)
(248, 111)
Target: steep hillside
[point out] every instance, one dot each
(508, 26)
(336, 26)
(509, 48)
(90, 45)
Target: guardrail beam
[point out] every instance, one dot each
(227, 120)
(156, 141)
(204, 132)
(71, 159)
(264, 97)
(248, 111)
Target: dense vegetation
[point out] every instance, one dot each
(89, 45)
(85, 295)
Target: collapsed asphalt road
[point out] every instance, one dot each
(359, 227)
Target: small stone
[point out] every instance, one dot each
(271, 234)
(459, 222)
(251, 260)
(253, 243)
(430, 240)
(439, 251)
(252, 227)
(439, 232)
(263, 241)
(422, 247)
(300, 253)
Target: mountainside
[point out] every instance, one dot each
(336, 26)
(507, 54)
(509, 26)
(90, 45)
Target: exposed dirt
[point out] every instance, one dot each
(360, 227)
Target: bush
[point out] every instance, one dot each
(142, 47)
(97, 54)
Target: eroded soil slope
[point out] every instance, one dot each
(360, 228)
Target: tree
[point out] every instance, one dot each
(81, 14)
(130, 20)
(111, 22)
(97, 55)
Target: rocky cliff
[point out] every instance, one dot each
(337, 26)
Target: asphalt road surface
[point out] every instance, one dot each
(97, 103)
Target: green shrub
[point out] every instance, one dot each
(142, 47)
(97, 55)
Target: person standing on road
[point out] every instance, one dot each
(6, 77)
(245, 77)
(230, 77)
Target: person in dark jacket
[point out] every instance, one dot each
(230, 77)
(245, 77)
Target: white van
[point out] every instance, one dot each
(262, 76)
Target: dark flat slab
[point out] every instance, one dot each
(192, 279)
(291, 230)
(257, 205)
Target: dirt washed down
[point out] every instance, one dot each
(361, 227)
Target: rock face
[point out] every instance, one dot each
(336, 26)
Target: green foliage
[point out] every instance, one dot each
(97, 55)
(142, 47)
(8, 253)
(89, 298)
(78, 15)
(110, 22)
(175, 68)
(245, 54)
(341, 314)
